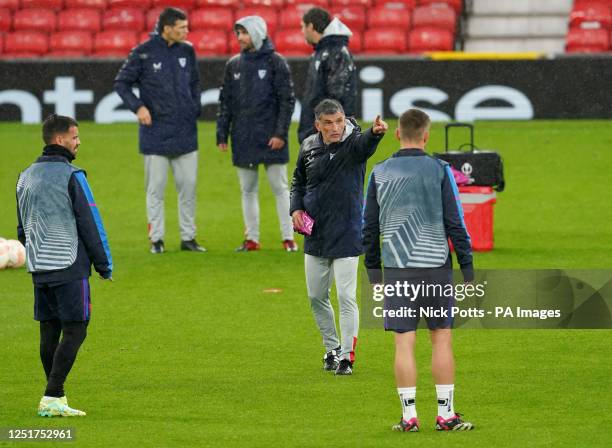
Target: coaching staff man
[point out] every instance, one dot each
(61, 228)
(165, 70)
(328, 185)
(331, 70)
(255, 107)
(413, 207)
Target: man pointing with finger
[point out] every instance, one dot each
(165, 70)
(328, 186)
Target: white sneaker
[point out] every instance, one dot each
(57, 407)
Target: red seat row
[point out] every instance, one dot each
(591, 14)
(212, 42)
(588, 41)
(590, 27)
(290, 42)
(457, 5)
(132, 19)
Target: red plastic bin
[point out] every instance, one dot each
(478, 203)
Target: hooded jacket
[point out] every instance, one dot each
(328, 185)
(331, 74)
(256, 101)
(169, 85)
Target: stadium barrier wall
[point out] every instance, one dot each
(447, 90)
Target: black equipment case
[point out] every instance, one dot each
(483, 168)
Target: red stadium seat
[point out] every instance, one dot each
(457, 5)
(291, 43)
(144, 36)
(9, 4)
(430, 39)
(587, 41)
(55, 5)
(225, 3)
(234, 48)
(1, 43)
(273, 3)
(65, 54)
(138, 4)
(26, 43)
(309, 3)
(212, 18)
(5, 19)
(152, 16)
(364, 3)
(70, 43)
(389, 18)
(356, 42)
(396, 4)
(291, 16)
(352, 16)
(85, 4)
(34, 20)
(268, 14)
(123, 19)
(114, 43)
(384, 41)
(435, 16)
(79, 20)
(209, 42)
(182, 4)
(589, 14)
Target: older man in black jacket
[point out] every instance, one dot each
(255, 107)
(331, 71)
(166, 72)
(328, 186)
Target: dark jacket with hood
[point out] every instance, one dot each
(256, 102)
(331, 74)
(328, 185)
(169, 85)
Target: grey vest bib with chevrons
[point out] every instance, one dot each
(409, 191)
(47, 217)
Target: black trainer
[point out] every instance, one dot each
(330, 359)
(345, 367)
(157, 247)
(192, 246)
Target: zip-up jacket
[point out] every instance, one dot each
(60, 224)
(255, 104)
(412, 208)
(328, 185)
(331, 75)
(169, 85)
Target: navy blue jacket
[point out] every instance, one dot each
(255, 104)
(93, 245)
(328, 185)
(331, 75)
(451, 216)
(170, 88)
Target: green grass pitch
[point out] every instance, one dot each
(186, 349)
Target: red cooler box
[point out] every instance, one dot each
(478, 205)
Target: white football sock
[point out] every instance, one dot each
(407, 397)
(445, 400)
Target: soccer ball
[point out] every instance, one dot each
(16, 254)
(4, 253)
